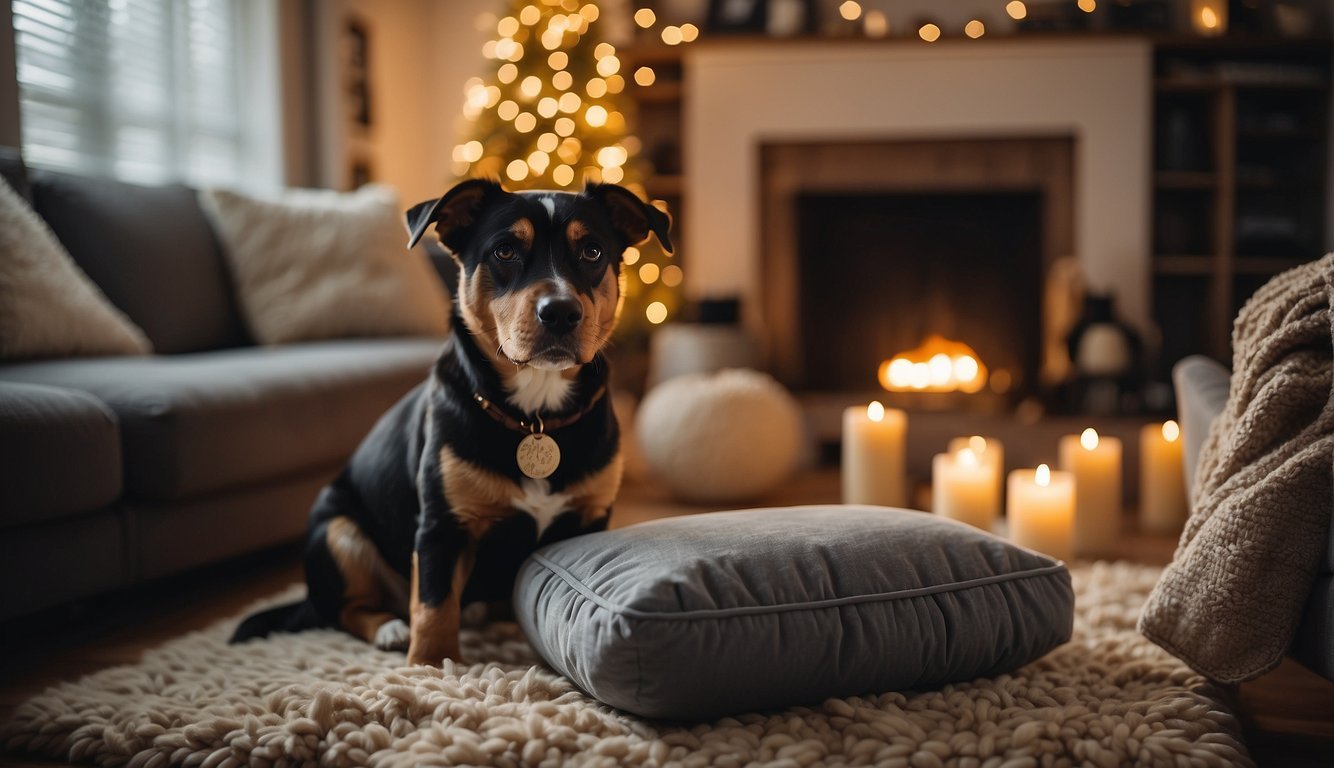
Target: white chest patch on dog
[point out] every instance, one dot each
(536, 389)
(539, 502)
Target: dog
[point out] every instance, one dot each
(511, 442)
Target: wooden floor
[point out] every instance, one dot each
(1288, 715)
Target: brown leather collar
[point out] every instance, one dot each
(538, 425)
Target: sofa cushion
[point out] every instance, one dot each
(318, 264)
(55, 562)
(703, 615)
(197, 423)
(15, 172)
(151, 251)
(68, 444)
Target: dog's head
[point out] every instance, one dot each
(539, 272)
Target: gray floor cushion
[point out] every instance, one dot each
(700, 616)
(201, 422)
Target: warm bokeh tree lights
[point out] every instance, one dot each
(554, 114)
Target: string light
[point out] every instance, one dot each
(1016, 9)
(596, 88)
(672, 35)
(569, 103)
(630, 256)
(656, 312)
(876, 24)
(1088, 6)
(689, 33)
(850, 10)
(530, 15)
(525, 122)
(547, 142)
(590, 12)
(613, 175)
(975, 29)
(672, 276)
(645, 17)
(596, 116)
(644, 76)
(562, 80)
(929, 33)
(558, 60)
(507, 110)
(507, 27)
(563, 175)
(517, 170)
(564, 126)
(608, 66)
(648, 274)
(530, 87)
(604, 50)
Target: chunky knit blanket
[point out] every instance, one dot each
(1230, 602)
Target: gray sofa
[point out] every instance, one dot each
(1202, 390)
(120, 469)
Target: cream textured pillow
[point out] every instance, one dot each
(318, 264)
(48, 306)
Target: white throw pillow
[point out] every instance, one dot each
(317, 264)
(48, 306)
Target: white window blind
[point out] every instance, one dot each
(144, 90)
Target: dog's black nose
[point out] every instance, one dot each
(559, 314)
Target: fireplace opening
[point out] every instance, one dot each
(878, 273)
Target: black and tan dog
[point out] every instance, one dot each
(510, 443)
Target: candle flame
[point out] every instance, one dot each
(1089, 439)
(978, 444)
(1171, 431)
(875, 411)
(1043, 475)
(967, 458)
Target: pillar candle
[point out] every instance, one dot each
(1095, 463)
(963, 488)
(1162, 479)
(873, 456)
(992, 453)
(1040, 506)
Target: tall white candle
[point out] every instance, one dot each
(1040, 505)
(1095, 462)
(1162, 479)
(873, 456)
(963, 488)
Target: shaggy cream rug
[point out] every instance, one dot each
(1107, 698)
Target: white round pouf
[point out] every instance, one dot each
(722, 436)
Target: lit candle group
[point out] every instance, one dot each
(873, 456)
(1162, 481)
(1040, 506)
(963, 488)
(1095, 463)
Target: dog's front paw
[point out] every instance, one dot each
(392, 636)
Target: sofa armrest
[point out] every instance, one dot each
(1201, 389)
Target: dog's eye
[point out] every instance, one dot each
(504, 252)
(591, 252)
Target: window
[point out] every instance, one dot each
(149, 90)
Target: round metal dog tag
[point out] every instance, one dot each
(538, 456)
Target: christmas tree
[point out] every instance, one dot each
(554, 114)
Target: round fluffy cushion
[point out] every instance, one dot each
(722, 436)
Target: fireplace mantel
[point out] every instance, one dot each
(742, 97)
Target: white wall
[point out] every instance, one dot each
(422, 52)
(1097, 91)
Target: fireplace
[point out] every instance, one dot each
(902, 266)
(768, 126)
(869, 247)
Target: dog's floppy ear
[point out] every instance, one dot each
(451, 214)
(631, 216)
